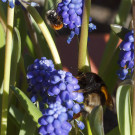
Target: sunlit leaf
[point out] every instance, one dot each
(124, 108)
(29, 107)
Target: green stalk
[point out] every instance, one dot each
(33, 35)
(46, 34)
(133, 105)
(84, 37)
(88, 127)
(8, 48)
(120, 19)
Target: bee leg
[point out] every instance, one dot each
(77, 115)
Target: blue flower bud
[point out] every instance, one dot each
(42, 121)
(71, 11)
(42, 130)
(130, 64)
(69, 104)
(70, 87)
(70, 115)
(74, 95)
(80, 97)
(63, 117)
(65, 96)
(55, 90)
(33, 98)
(66, 126)
(56, 124)
(126, 46)
(49, 119)
(58, 131)
(49, 128)
(122, 73)
(62, 86)
(122, 63)
(76, 108)
(80, 124)
(71, 5)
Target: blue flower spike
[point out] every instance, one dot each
(56, 88)
(71, 12)
(37, 76)
(126, 57)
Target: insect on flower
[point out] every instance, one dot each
(94, 91)
(54, 20)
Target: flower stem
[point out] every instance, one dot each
(8, 48)
(88, 127)
(84, 37)
(133, 105)
(46, 34)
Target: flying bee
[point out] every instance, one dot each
(95, 93)
(54, 19)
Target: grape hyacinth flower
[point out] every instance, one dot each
(126, 57)
(71, 12)
(54, 121)
(38, 75)
(62, 88)
(58, 90)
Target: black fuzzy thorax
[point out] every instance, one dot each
(91, 83)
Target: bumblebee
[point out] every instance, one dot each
(54, 20)
(95, 93)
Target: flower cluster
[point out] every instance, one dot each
(54, 120)
(126, 56)
(71, 12)
(37, 77)
(58, 90)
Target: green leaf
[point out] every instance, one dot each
(123, 107)
(20, 23)
(28, 126)
(15, 115)
(42, 41)
(96, 121)
(29, 107)
(28, 60)
(119, 30)
(30, 46)
(16, 53)
(114, 131)
(110, 77)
